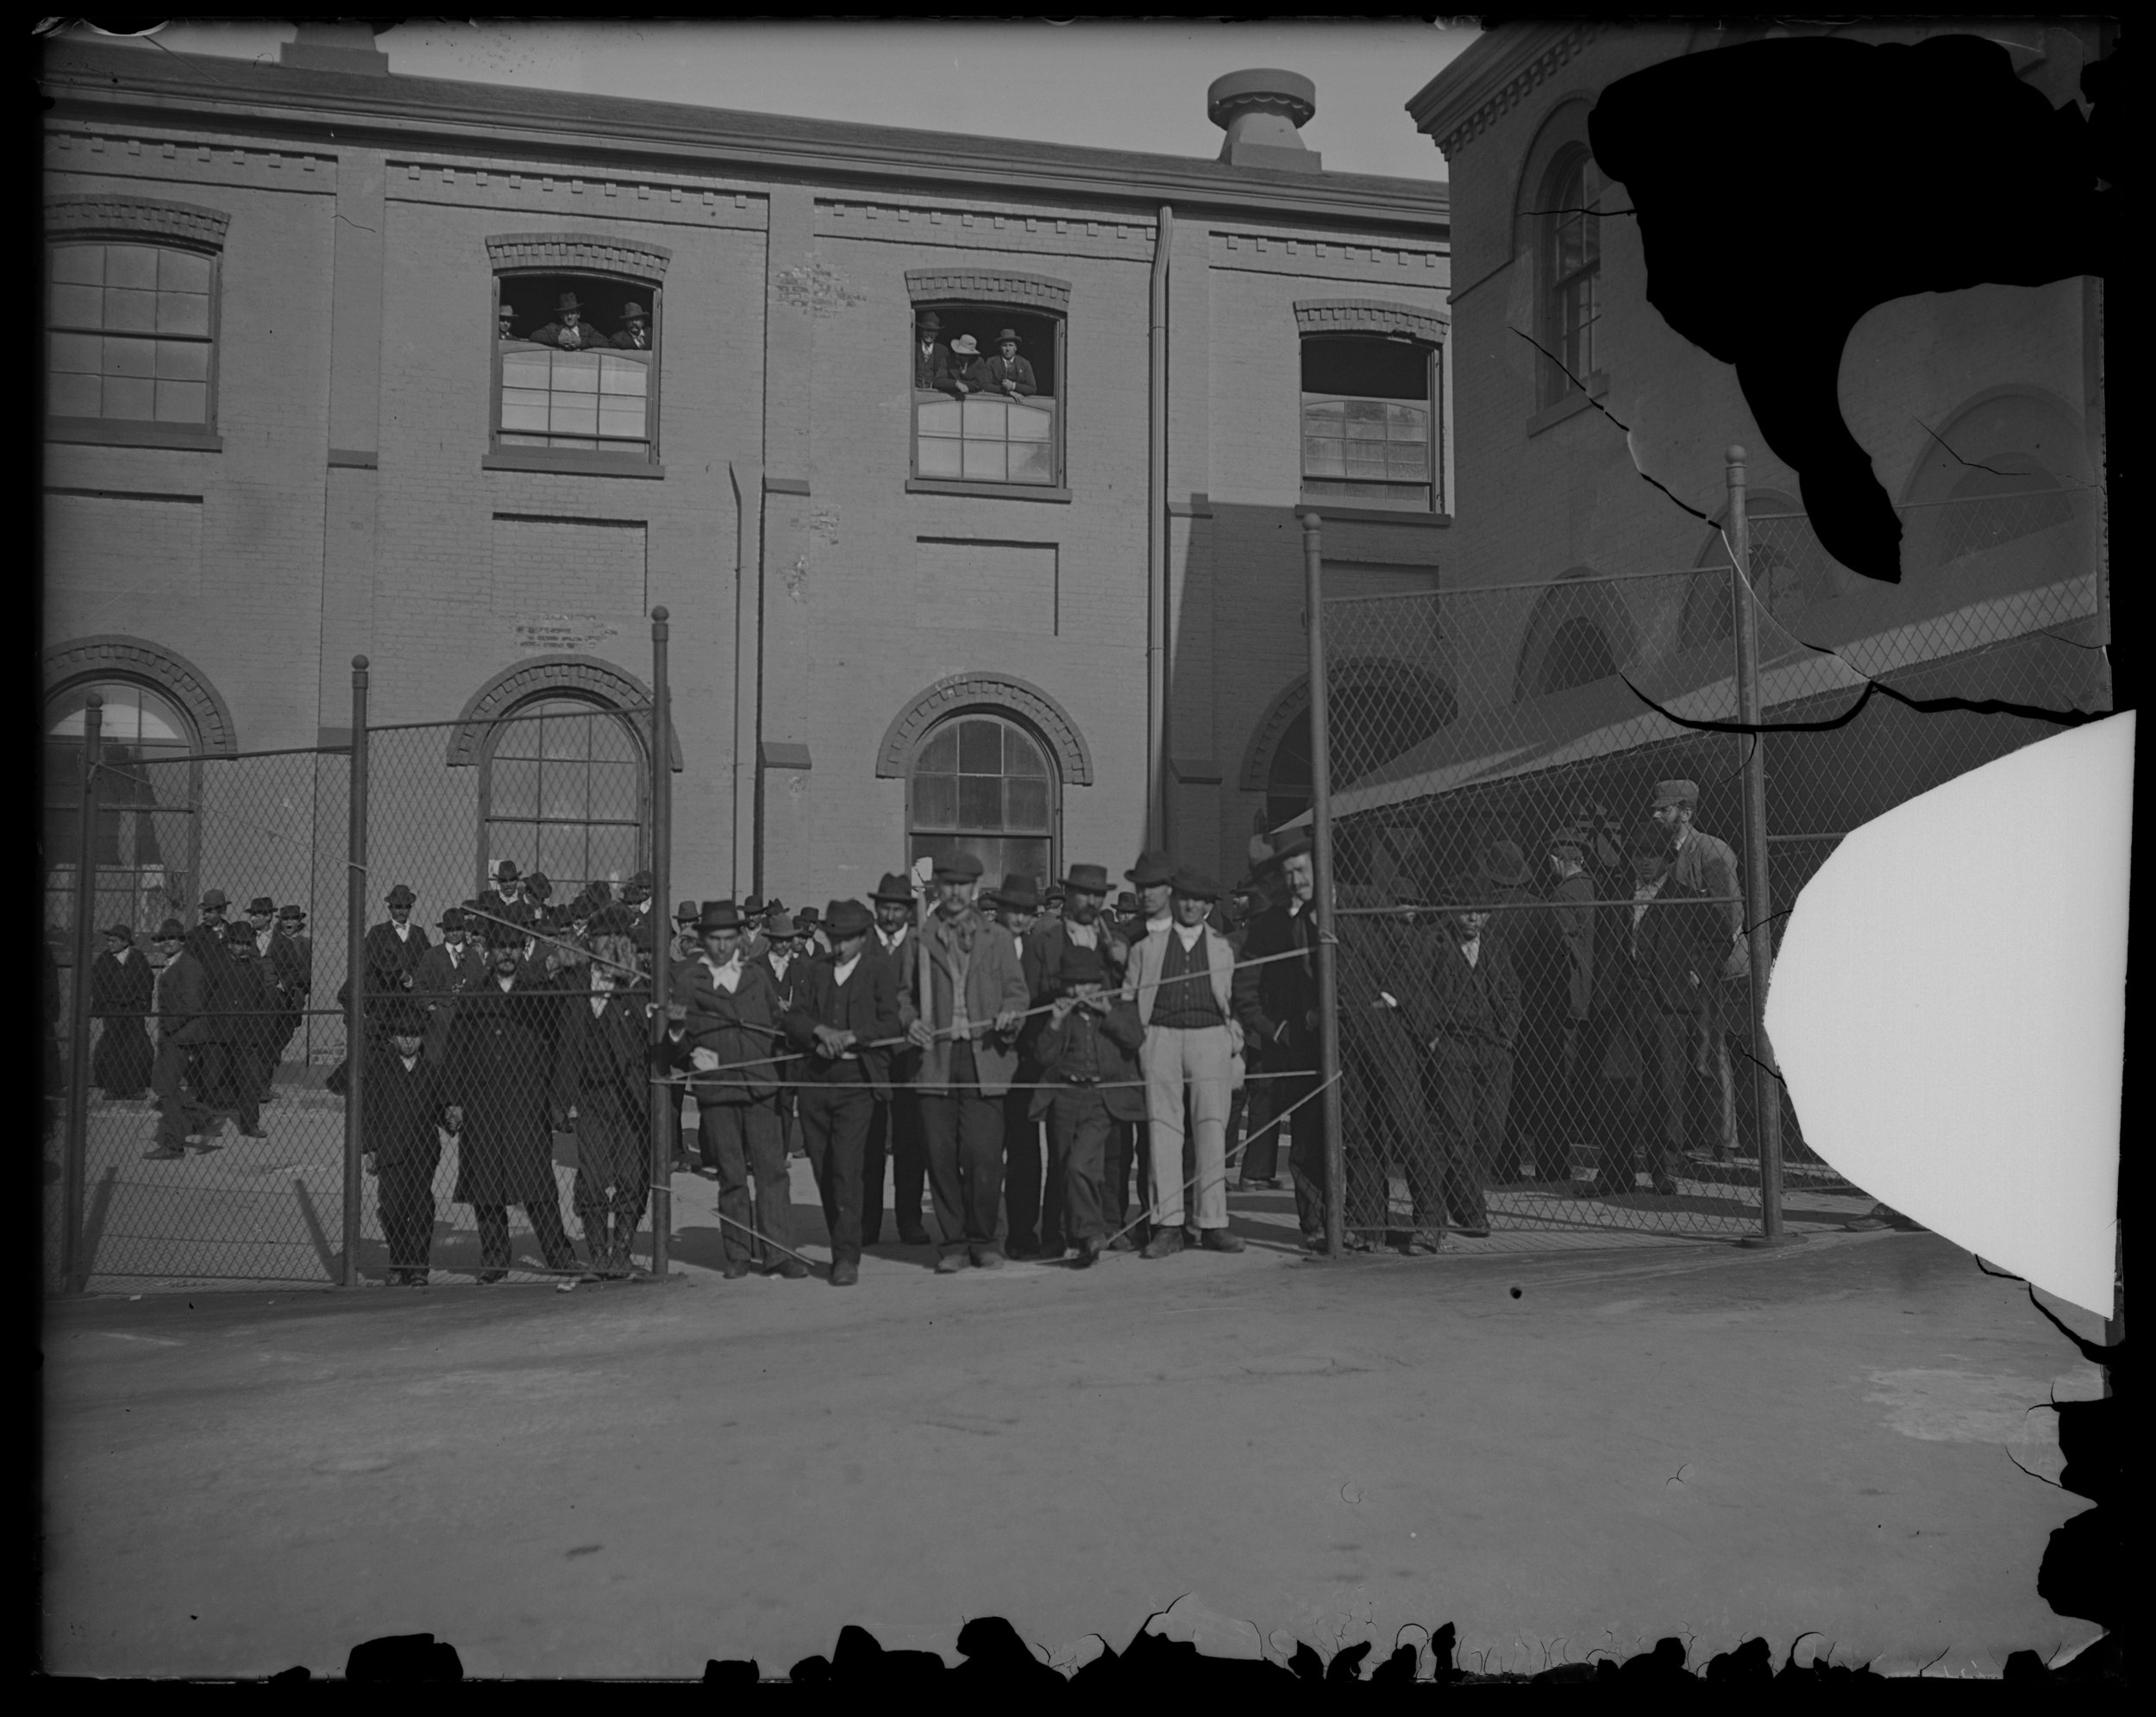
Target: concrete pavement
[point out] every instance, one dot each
(1556, 1452)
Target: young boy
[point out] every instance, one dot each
(1088, 1054)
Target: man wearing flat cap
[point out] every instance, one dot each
(1182, 978)
(1705, 867)
(844, 1010)
(122, 988)
(1572, 914)
(976, 1001)
(178, 1075)
(894, 1128)
(601, 1064)
(253, 1015)
(732, 1046)
(1276, 1002)
(1387, 1020)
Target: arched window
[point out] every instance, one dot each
(145, 833)
(1582, 629)
(563, 791)
(1376, 713)
(1568, 276)
(2004, 470)
(984, 784)
(1791, 573)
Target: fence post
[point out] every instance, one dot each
(1766, 1084)
(74, 1270)
(355, 976)
(661, 951)
(1321, 897)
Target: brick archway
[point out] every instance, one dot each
(585, 676)
(986, 692)
(112, 655)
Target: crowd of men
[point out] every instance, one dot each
(1025, 1059)
(960, 367)
(570, 332)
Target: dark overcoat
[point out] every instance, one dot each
(121, 995)
(499, 1074)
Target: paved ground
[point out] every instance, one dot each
(630, 1480)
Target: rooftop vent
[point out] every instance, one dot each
(1261, 111)
(335, 48)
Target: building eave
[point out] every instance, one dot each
(438, 113)
(1493, 72)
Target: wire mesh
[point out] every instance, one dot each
(210, 1151)
(1593, 1069)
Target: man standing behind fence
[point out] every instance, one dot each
(1277, 1003)
(121, 989)
(602, 1063)
(1703, 867)
(498, 1082)
(1386, 1023)
(977, 993)
(1182, 977)
(1475, 998)
(183, 1031)
(401, 1116)
(895, 1129)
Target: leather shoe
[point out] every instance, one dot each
(792, 1269)
(1089, 1254)
(1665, 1185)
(988, 1259)
(1476, 1230)
(950, 1263)
(162, 1154)
(1164, 1245)
(914, 1236)
(1220, 1240)
(735, 1269)
(1124, 1242)
(493, 1276)
(845, 1273)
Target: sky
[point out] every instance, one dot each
(1104, 85)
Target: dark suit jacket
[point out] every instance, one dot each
(738, 1028)
(1572, 911)
(995, 372)
(1653, 964)
(1379, 957)
(1274, 1001)
(933, 368)
(867, 1004)
(626, 342)
(1477, 1004)
(1115, 1039)
(118, 990)
(390, 961)
(589, 339)
(402, 1109)
(1705, 866)
(183, 1000)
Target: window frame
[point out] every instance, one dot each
(1557, 386)
(1049, 761)
(1433, 403)
(594, 461)
(523, 710)
(135, 431)
(1058, 489)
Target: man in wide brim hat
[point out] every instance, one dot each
(1007, 372)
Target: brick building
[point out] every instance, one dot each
(283, 427)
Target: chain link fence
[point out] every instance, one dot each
(1496, 755)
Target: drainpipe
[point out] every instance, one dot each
(733, 809)
(1157, 549)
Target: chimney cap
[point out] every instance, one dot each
(1260, 89)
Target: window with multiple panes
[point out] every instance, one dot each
(144, 831)
(973, 429)
(597, 393)
(1369, 420)
(984, 785)
(1570, 263)
(563, 793)
(129, 332)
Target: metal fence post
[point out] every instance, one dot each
(1321, 900)
(662, 952)
(355, 976)
(1766, 1084)
(74, 1270)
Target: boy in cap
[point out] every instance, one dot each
(977, 995)
(894, 1130)
(840, 1007)
(400, 1137)
(1087, 1064)
(121, 989)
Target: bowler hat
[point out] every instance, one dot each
(1294, 847)
(213, 900)
(1154, 867)
(806, 919)
(1011, 335)
(569, 301)
(779, 925)
(958, 866)
(633, 311)
(929, 320)
(1675, 792)
(1194, 884)
(642, 880)
(1082, 966)
(505, 310)
(831, 907)
(290, 913)
(1092, 878)
(717, 915)
(1020, 890)
(895, 886)
(505, 871)
(125, 932)
(848, 917)
(753, 907)
(260, 903)
(1126, 902)
(539, 886)
(684, 913)
(1470, 892)
(1505, 865)
(239, 936)
(400, 896)
(452, 918)
(965, 346)
(171, 930)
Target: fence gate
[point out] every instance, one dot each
(1497, 751)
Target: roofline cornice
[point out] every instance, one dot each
(1493, 73)
(413, 113)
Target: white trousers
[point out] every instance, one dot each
(1206, 1061)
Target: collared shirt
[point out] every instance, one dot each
(1473, 951)
(1083, 936)
(1188, 935)
(121, 956)
(1159, 924)
(455, 951)
(262, 940)
(599, 1002)
(844, 969)
(403, 931)
(891, 939)
(728, 976)
(779, 963)
(961, 966)
(410, 1061)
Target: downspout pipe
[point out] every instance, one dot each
(1156, 548)
(733, 809)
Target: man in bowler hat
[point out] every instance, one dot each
(636, 332)
(895, 1129)
(400, 1137)
(569, 329)
(1033, 1223)
(932, 370)
(1277, 1002)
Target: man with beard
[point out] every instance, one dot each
(122, 988)
(602, 1091)
(496, 1088)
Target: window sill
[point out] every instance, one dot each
(129, 432)
(1422, 520)
(1571, 405)
(569, 462)
(994, 491)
